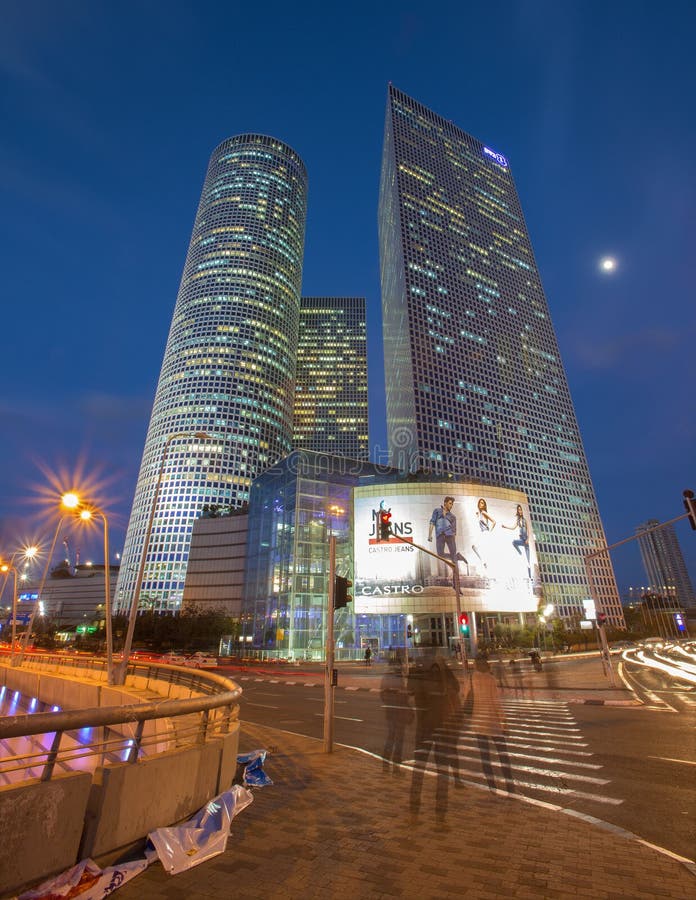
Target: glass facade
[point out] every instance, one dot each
(223, 409)
(475, 385)
(331, 386)
(295, 507)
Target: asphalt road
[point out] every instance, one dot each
(631, 766)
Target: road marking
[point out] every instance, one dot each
(345, 718)
(263, 705)
(685, 762)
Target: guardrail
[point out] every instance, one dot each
(143, 764)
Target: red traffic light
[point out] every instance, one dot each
(384, 524)
(601, 618)
(464, 623)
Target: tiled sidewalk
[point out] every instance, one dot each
(336, 826)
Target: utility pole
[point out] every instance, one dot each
(329, 674)
(457, 593)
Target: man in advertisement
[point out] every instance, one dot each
(444, 523)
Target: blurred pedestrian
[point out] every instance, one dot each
(398, 712)
(368, 656)
(436, 699)
(488, 720)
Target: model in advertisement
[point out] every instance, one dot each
(486, 525)
(444, 523)
(523, 539)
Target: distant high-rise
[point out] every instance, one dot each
(331, 386)
(664, 563)
(474, 379)
(223, 410)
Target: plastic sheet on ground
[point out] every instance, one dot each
(181, 847)
(254, 775)
(86, 881)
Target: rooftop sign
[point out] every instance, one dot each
(498, 157)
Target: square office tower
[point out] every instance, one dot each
(331, 383)
(475, 384)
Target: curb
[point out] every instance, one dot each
(589, 701)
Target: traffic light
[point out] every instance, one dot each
(601, 618)
(409, 631)
(384, 524)
(341, 595)
(464, 623)
(690, 507)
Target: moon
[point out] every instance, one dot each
(607, 264)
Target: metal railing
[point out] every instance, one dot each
(191, 720)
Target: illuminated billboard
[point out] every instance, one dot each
(488, 536)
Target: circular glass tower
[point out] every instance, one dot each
(223, 409)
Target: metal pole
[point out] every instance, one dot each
(605, 656)
(27, 633)
(14, 615)
(328, 675)
(133, 614)
(406, 642)
(107, 605)
(457, 589)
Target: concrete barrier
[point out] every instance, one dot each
(127, 801)
(41, 828)
(46, 827)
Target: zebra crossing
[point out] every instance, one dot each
(540, 753)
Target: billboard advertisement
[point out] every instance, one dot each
(489, 538)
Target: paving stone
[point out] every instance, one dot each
(311, 834)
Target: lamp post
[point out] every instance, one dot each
(30, 625)
(86, 513)
(11, 569)
(8, 569)
(133, 613)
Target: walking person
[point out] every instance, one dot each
(368, 656)
(488, 720)
(398, 712)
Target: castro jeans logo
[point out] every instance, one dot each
(498, 157)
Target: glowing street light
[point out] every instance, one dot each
(86, 513)
(135, 603)
(10, 569)
(68, 501)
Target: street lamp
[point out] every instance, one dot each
(135, 603)
(86, 514)
(68, 501)
(11, 569)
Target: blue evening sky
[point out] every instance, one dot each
(109, 113)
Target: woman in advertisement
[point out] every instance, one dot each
(523, 539)
(486, 525)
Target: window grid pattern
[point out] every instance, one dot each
(475, 384)
(331, 385)
(229, 363)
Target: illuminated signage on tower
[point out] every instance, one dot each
(498, 157)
